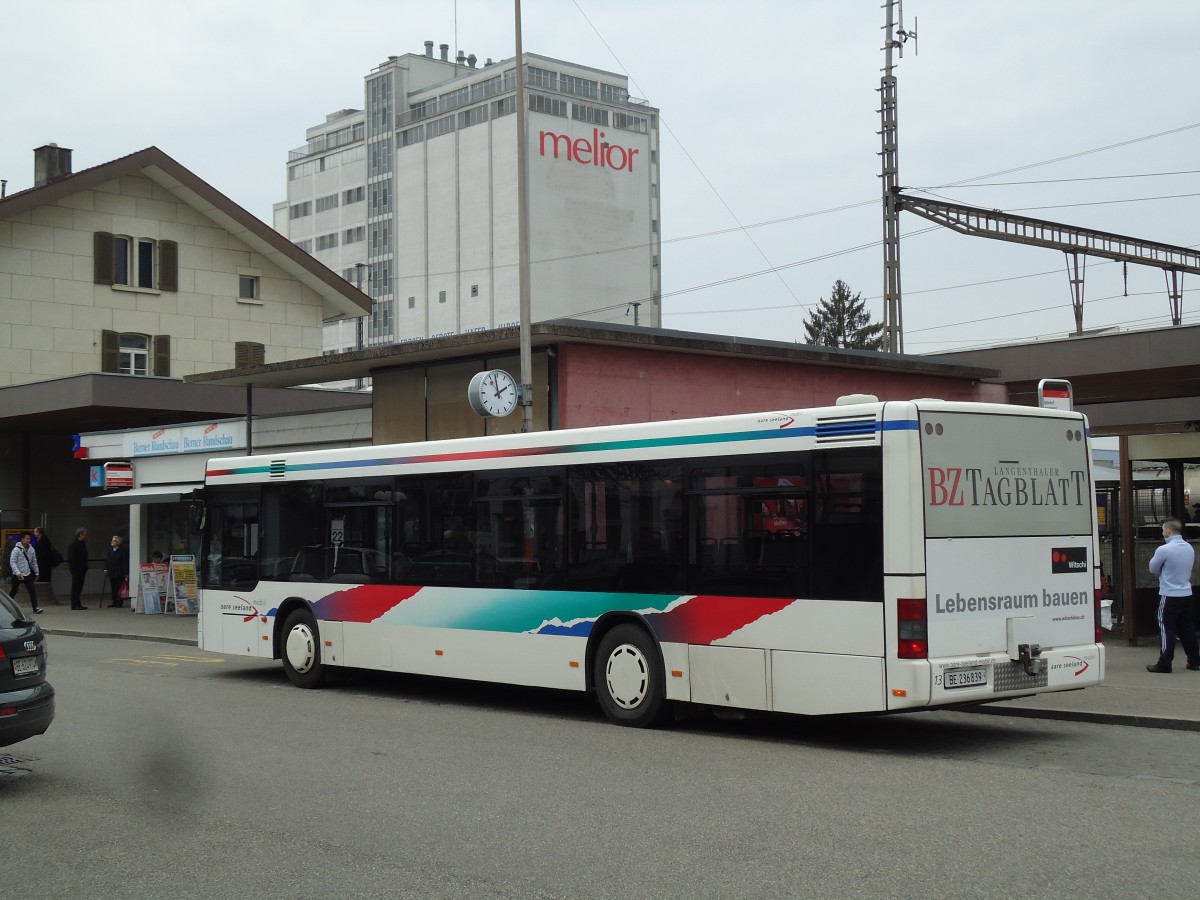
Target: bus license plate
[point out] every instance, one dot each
(956, 678)
(25, 665)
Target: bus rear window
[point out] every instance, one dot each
(1004, 475)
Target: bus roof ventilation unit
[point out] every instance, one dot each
(852, 399)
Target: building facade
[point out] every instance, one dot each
(415, 198)
(116, 281)
(132, 267)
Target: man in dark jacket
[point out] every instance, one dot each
(77, 562)
(48, 557)
(116, 567)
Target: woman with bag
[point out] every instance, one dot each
(116, 569)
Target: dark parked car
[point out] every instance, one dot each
(26, 698)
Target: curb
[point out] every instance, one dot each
(122, 637)
(1076, 715)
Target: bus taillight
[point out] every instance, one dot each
(1096, 595)
(913, 628)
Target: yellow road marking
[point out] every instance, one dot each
(166, 659)
(142, 662)
(199, 659)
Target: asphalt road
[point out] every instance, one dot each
(175, 773)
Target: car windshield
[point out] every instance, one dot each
(10, 614)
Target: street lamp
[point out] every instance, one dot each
(358, 271)
(526, 393)
(358, 330)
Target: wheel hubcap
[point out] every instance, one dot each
(301, 649)
(627, 676)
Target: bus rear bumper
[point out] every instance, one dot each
(979, 678)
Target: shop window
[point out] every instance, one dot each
(170, 529)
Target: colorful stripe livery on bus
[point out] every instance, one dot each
(868, 557)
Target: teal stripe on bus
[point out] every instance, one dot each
(589, 447)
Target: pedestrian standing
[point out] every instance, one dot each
(47, 558)
(116, 567)
(77, 562)
(23, 563)
(1172, 563)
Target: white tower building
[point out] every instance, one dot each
(415, 198)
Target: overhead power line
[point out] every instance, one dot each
(1130, 324)
(1058, 159)
(935, 187)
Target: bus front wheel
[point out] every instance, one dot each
(302, 650)
(628, 677)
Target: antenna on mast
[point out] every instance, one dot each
(894, 39)
(902, 35)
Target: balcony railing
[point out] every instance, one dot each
(486, 89)
(332, 141)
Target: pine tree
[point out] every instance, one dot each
(843, 321)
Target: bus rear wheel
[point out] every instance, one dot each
(628, 677)
(302, 650)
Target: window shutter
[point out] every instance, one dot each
(249, 353)
(168, 266)
(102, 261)
(162, 354)
(110, 348)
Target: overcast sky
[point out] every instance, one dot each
(769, 122)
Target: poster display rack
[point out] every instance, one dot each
(169, 587)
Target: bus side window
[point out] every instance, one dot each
(848, 526)
(519, 530)
(595, 530)
(748, 529)
(294, 514)
(625, 528)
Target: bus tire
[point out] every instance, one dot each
(628, 677)
(301, 650)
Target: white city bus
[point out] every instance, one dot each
(866, 557)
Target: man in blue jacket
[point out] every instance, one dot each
(1172, 563)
